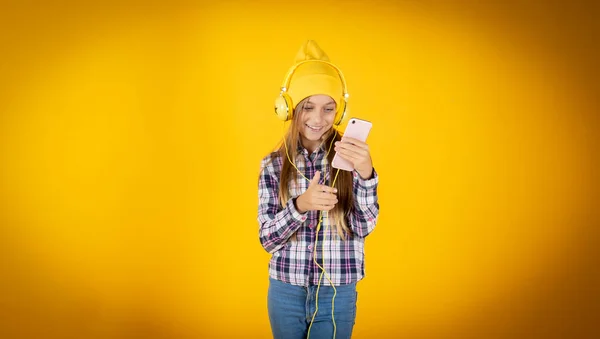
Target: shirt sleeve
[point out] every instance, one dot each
(366, 205)
(276, 223)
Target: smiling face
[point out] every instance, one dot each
(315, 119)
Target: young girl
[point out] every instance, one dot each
(314, 218)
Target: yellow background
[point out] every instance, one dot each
(131, 135)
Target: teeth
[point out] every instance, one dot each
(314, 128)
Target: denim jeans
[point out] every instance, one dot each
(291, 309)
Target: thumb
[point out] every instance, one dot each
(315, 179)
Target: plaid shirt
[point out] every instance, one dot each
(292, 261)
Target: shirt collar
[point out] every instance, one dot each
(303, 150)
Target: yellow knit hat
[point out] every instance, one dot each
(313, 78)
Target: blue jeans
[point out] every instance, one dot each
(291, 309)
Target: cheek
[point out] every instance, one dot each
(330, 117)
(306, 116)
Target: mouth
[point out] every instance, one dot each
(314, 128)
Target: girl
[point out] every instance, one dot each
(314, 218)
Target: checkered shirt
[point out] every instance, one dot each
(292, 261)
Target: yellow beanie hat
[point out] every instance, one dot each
(313, 78)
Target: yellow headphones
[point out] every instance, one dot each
(284, 107)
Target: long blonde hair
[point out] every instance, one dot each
(343, 183)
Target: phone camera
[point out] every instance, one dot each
(353, 121)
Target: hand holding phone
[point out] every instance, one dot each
(349, 156)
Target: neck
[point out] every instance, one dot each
(310, 145)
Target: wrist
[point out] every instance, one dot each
(366, 175)
(298, 204)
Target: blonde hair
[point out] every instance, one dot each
(343, 183)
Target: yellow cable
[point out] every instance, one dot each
(326, 275)
(293, 164)
(323, 271)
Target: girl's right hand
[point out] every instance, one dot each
(317, 197)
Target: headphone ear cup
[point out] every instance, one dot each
(342, 112)
(283, 107)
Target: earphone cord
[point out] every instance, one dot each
(323, 271)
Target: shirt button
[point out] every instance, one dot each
(310, 247)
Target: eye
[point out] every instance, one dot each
(329, 109)
(309, 108)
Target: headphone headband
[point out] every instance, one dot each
(283, 103)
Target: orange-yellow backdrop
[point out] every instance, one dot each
(131, 135)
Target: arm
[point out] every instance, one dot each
(366, 205)
(276, 223)
(365, 209)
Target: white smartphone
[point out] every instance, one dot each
(358, 129)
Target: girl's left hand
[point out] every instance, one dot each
(357, 152)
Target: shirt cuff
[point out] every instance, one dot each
(296, 215)
(367, 183)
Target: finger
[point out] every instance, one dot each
(315, 179)
(356, 142)
(325, 196)
(346, 157)
(351, 147)
(350, 153)
(355, 160)
(326, 207)
(327, 199)
(328, 189)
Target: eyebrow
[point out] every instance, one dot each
(329, 103)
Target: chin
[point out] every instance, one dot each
(314, 137)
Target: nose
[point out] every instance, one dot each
(317, 117)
